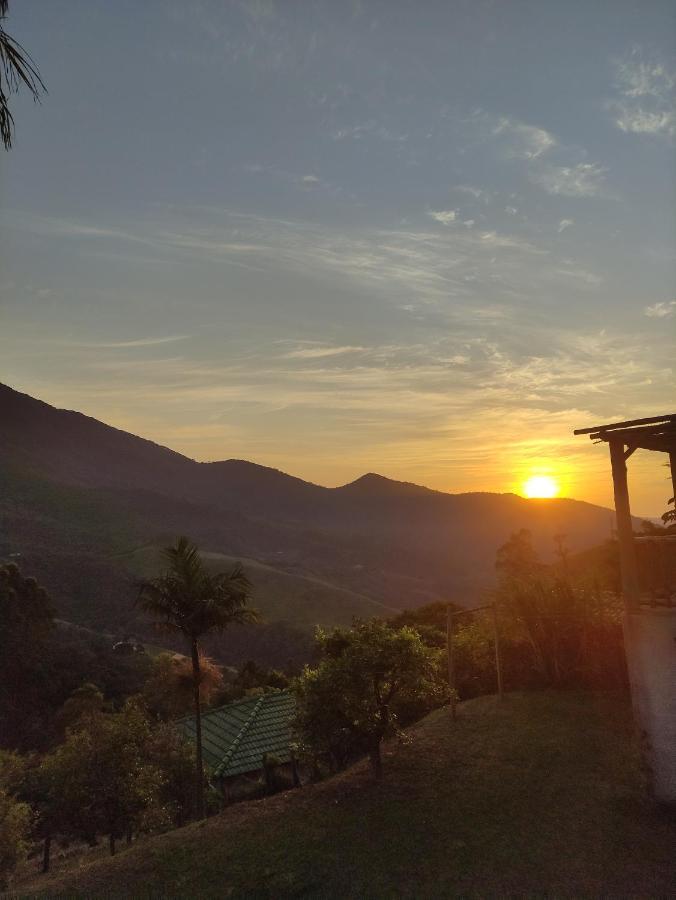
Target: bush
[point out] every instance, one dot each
(14, 827)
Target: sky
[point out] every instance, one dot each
(426, 239)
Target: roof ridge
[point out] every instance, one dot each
(243, 730)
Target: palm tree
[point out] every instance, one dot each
(16, 69)
(188, 599)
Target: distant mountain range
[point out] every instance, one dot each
(86, 505)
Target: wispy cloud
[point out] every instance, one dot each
(477, 193)
(565, 223)
(444, 216)
(582, 180)
(372, 128)
(646, 96)
(544, 157)
(524, 141)
(660, 310)
(320, 352)
(143, 342)
(449, 266)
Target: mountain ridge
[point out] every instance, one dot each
(75, 494)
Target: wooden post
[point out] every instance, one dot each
(625, 534)
(496, 638)
(672, 466)
(451, 666)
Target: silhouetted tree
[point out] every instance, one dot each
(16, 69)
(188, 599)
(26, 621)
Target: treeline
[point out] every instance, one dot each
(560, 624)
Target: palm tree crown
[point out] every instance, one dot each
(189, 599)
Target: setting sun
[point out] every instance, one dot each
(541, 486)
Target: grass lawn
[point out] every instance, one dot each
(542, 794)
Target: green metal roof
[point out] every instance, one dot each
(235, 737)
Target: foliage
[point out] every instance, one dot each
(14, 826)
(84, 702)
(42, 666)
(101, 780)
(189, 600)
(16, 69)
(26, 621)
(474, 648)
(573, 627)
(252, 678)
(174, 757)
(479, 807)
(365, 677)
(168, 692)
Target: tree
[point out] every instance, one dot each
(572, 626)
(366, 675)
(26, 622)
(101, 780)
(188, 599)
(174, 756)
(84, 701)
(14, 826)
(168, 690)
(16, 69)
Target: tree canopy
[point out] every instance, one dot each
(366, 675)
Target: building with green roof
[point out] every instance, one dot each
(238, 736)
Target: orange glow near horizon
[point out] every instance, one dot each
(541, 486)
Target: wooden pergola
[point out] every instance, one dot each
(657, 433)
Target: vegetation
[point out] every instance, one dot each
(366, 676)
(102, 780)
(187, 599)
(573, 627)
(47, 669)
(168, 692)
(87, 506)
(14, 828)
(116, 765)
(16, 69)
(541, 795)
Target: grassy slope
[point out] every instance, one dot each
(304, 600)
(542, 794)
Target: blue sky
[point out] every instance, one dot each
(426, 239)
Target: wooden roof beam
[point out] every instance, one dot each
(613, 426)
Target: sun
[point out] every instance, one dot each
(541, 486)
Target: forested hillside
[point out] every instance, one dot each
(79, 501)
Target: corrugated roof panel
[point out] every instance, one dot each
(236, 737)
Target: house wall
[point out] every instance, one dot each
(650, 641)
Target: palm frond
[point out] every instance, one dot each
(17, 68)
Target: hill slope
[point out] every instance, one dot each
(542, 795)
(77, 496)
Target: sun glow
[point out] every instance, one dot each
(541, 486)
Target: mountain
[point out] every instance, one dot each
(78, 499)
